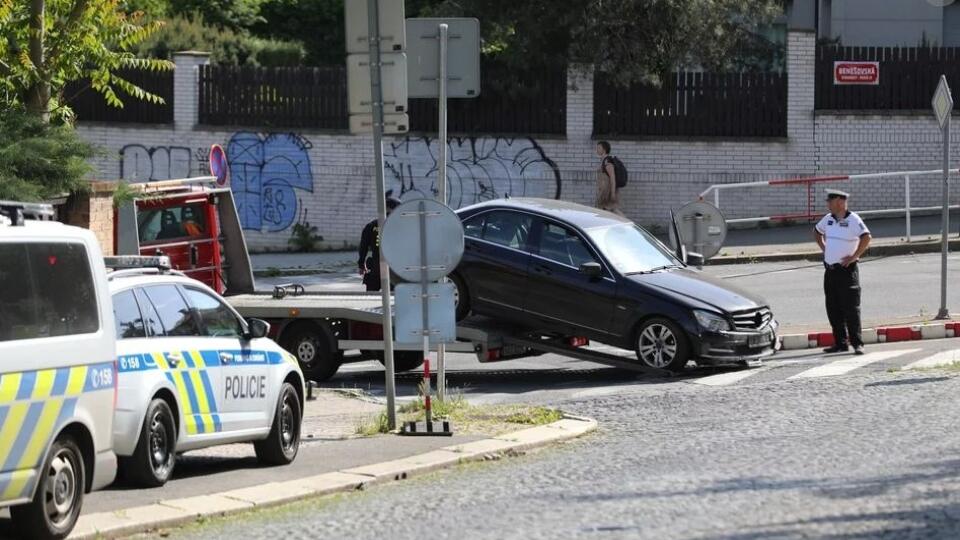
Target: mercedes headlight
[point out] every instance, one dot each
(711, 321)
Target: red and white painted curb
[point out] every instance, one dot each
(887, 334)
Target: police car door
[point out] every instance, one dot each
(245, 368)
(184, 357)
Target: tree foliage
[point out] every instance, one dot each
(632, 40)
(226, 46)
(318, 24)
(52, 42)
(233, 14)
(38, 160)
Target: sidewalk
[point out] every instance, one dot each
(795, 242)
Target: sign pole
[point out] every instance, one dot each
(425, 306)
(442, 184)
(943, 108)
(376, 94)
(944, 313)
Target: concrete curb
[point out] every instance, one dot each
(889, 334)
(901, 248)
(175, 512)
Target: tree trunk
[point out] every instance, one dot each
(38, 95)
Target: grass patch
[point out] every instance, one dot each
(272, 271)
(465, 417)
(373, 426)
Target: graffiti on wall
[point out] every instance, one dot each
(139, 163)
(265, 173)
(478, 169)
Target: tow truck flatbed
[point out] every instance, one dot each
(352, 321)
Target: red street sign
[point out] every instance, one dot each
(856, 72)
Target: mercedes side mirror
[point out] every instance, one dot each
(694, 259)
(257, 328)
(591, 269)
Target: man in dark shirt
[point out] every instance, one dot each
(370, 243)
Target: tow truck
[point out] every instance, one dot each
(195, 223)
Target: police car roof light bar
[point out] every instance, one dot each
(18, 212)
(130, 262)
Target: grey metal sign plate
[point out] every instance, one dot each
(392, 28)
(702, 228)
(441, 318)
(463, 57)
(393, 77)
(392, 123)
(402, 235)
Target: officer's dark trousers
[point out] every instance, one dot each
(842, 289)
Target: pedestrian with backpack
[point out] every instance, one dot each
(610, 178)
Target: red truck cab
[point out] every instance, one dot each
(186, 221)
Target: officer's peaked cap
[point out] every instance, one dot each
(831, 193)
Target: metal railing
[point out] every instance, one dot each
(811, 199)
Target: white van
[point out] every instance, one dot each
(57, 370)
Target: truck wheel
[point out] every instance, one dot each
(405, 360)
(318, 359)
(59, 494)
(281, 446)
(662, 345)
(461, 297)
(155, 456)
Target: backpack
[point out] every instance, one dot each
(620, 170)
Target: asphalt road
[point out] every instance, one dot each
(807, 446)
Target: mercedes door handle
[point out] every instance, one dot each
(543, 270)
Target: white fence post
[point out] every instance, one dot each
(906, 192)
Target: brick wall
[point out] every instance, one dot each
(93, 210)
(282, 178)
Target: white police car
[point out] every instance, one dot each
(193, 374)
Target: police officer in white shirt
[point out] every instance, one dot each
(843, 237)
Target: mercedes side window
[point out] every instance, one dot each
(473, 227)
(47, 291)
(127, 317)
(564, 246)
(175, 316)
(217, 319)
(507, 228)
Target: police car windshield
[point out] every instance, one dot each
(632, 250)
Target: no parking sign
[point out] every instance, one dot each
(219, 168)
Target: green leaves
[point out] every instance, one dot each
(79, 39)
(39, 161)
(632, 40)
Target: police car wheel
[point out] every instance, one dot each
(281, 446)
(154, 458)
(59, 494)
(662, 344)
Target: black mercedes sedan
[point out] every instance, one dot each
(568, 269)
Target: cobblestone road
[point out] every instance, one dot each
(860, 456)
